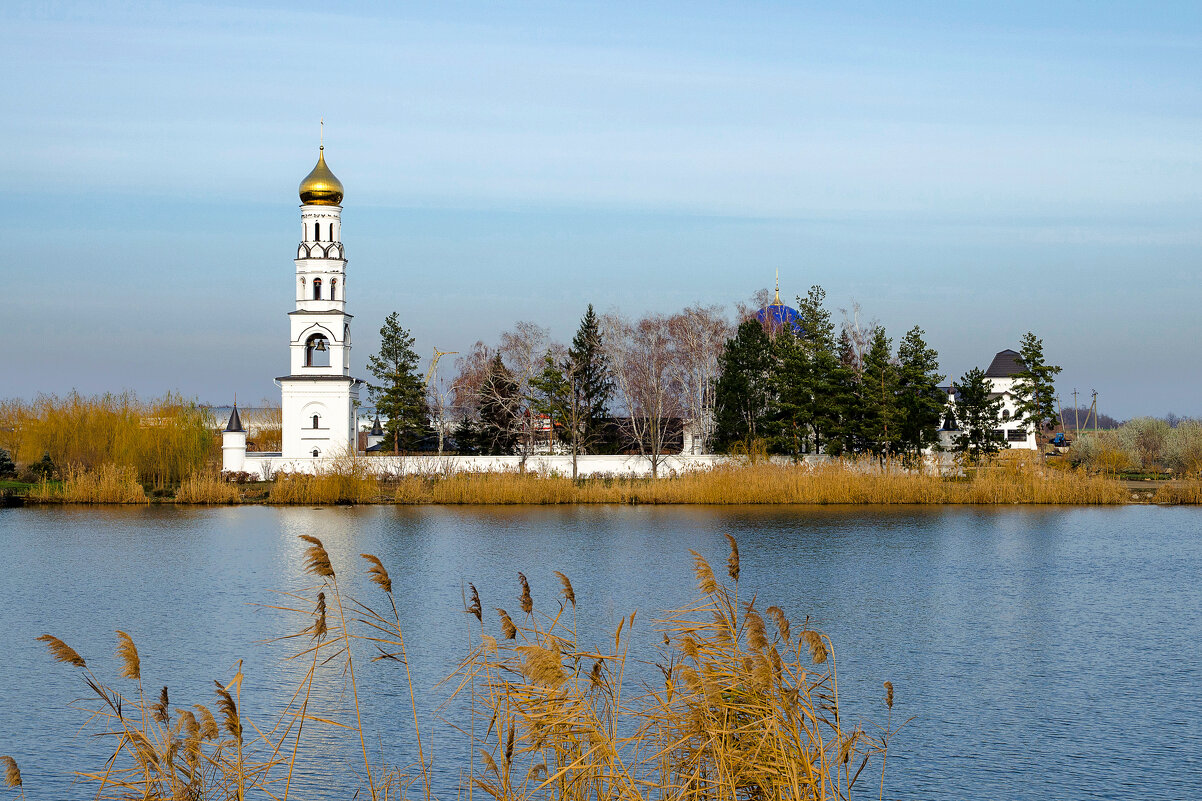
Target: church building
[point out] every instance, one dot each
(319, 396)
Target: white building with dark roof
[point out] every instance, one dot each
(1002, 373)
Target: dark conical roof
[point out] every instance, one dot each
(376, 429)
(235, 423)
(1005, 364)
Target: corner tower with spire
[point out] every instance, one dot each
(319, 396)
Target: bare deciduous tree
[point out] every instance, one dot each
(641, 358)
(698, 333)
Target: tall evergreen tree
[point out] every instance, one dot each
(400, 393)
(878, 386)
(844, 403)
(977, 415)
(1035, 387)
(792, 385)
(744, 397)
(592, 382)
(920, 401)
(500, 407)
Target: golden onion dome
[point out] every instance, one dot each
(321, 187)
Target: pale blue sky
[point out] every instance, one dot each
(977, 170)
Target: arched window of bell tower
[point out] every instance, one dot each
(333, 289)
(316, 289)
(316, 421)
(317, 351)
(316, 232)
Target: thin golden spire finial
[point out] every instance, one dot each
(777, 301)
(321, 139)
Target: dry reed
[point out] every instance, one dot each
(1179, 492)
(345, 479)
(108, 483)
(741, 713)
(1012, 480)
(206, 488)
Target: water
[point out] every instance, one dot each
(1042, 653)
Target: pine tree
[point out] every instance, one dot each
(499, 410)
(467, 437)
(844, 403)
(7, 468)
(977, 415)
(1035, 386)
(920, 401)
(401, 394)
(806, 382)
(744, 397)
(878, 385)
(590, 374)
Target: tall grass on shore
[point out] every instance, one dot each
(345, 479)
(106, 483)
(1015, 480)
(162, 440)
(206, 487)
(1179, 492)
(747, 706)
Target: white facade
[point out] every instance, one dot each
(318, 395)
(1011, 431)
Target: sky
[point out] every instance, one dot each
(979, 170)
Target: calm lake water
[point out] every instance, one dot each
(1042, 653)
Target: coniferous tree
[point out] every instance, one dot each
(590, 375)
(500, 407)
(792, 385)
(467, 436)
(878, 388)
(557, 393)
(7, 468)
(920, 401)
(977, 414)
(744, 397)
(1035, 386)
(400, 394)
(845, 403)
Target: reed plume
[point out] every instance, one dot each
(317, 629)
(61, 651)
(208, 724)
(568, 592)
(507, 628)
(474, 607)
(160, 709)
(817, 647)
(379, 575)
(889, 694)
(732, 561)
(782, 623)
(127, 652)
(229, 711)
(12, 773)
(317, 561)
(525, 599)
(705, 575)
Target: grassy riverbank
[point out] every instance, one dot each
(1016, 479)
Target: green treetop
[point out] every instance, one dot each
(920, 401)
(977, 414)
(1035, 386)
(400, 394)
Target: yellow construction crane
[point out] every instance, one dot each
(438, 354)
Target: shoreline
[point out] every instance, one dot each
(1006, 483)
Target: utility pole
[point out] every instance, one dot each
(1094, 409)
(1076, 415)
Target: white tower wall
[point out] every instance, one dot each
(319, 396)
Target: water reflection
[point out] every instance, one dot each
(1028, 643)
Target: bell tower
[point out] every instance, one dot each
(319, 396)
